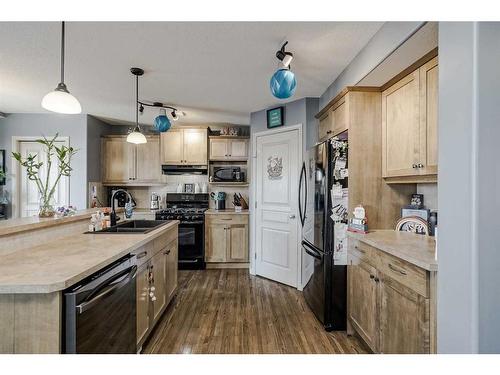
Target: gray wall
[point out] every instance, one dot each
(299, 111)
(72, 126)
(468, 196)
(95, 129)
(382, 44)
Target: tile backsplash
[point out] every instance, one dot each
(142, 194)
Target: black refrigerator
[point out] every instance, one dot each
(326, 289)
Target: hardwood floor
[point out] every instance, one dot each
(230, 311)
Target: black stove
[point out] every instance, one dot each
(189, 210)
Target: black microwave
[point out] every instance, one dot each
(228, 174)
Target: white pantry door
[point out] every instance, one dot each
(277, 221)
(29, 198)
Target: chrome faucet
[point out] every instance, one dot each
(112, 215)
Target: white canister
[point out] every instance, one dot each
(179, 188)
(204, 188)
(197, 188)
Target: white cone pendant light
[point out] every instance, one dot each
(60, 100)
(136, 136)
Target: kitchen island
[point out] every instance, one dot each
(33, 276)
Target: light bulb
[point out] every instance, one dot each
(136, 137)
(61, 102)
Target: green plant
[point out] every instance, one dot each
(33, 168)
(2, 173)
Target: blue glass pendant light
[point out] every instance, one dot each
(283, 82)
(162, 122)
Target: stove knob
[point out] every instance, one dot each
(179, 217)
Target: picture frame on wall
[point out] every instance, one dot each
(2, 167)
(275, 117)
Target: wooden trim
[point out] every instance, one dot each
(417, 64)
(228, 137)
(342, 93)
(210, 265)
(427, 179)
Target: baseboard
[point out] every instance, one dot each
(227, 265)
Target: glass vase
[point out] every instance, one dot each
(47, 207)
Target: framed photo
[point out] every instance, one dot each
(275, 117)
(2, 167)
(417, 200)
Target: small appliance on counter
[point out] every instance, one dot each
(155, 201)
(219, 198)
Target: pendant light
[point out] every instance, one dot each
(136, 135)
(60, 100)
(283, 82)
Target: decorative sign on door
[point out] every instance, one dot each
(274, 167)
(275, 117)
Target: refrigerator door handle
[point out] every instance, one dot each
(302, 175)
(311, 250)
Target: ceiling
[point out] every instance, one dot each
(214, 71)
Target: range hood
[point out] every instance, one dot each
(184, 169)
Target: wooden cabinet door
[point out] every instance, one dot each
(400, 127)
(118, 160)
(362, 309)
(429, 117)
(142, 299)
(237, 251)
(238, 149)
(325, 128)
(340, 116)
(195, 146)
(219, 149)
(404, 319)
(216, 242)
(172, 147)
(148, 166)
(158, 266)
(171, 270)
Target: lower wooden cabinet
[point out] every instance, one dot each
(156, 283)
(226, 238)
(404, 319)
(390, 313)
(363, 310)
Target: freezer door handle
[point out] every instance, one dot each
(311, 250)
(302, 210)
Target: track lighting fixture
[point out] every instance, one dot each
(136, 135)
(283, 82)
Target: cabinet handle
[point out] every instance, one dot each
(414, 166)
(397, 269)
(420, 165)
(167, 252)
(329, 132)
(142, 255)
(372, 276)
(360, 250)
(377, 279)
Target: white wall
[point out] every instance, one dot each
(469, 175)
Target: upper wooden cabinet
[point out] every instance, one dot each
(334, 121)
(228, 148)
(325, 128)
(409, 126)
(128, 164)
(184, 146)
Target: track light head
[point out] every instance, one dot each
(284, 56)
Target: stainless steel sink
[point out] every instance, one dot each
(133, 226)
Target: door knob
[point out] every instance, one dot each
(292, 216)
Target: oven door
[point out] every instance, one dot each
(191, 245)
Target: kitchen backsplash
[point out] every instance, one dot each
(142, 194)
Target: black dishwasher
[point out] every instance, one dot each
(100, 311)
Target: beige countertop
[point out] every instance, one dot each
(56, 265)
(416, 249)
(23, 224)
(212, 211)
